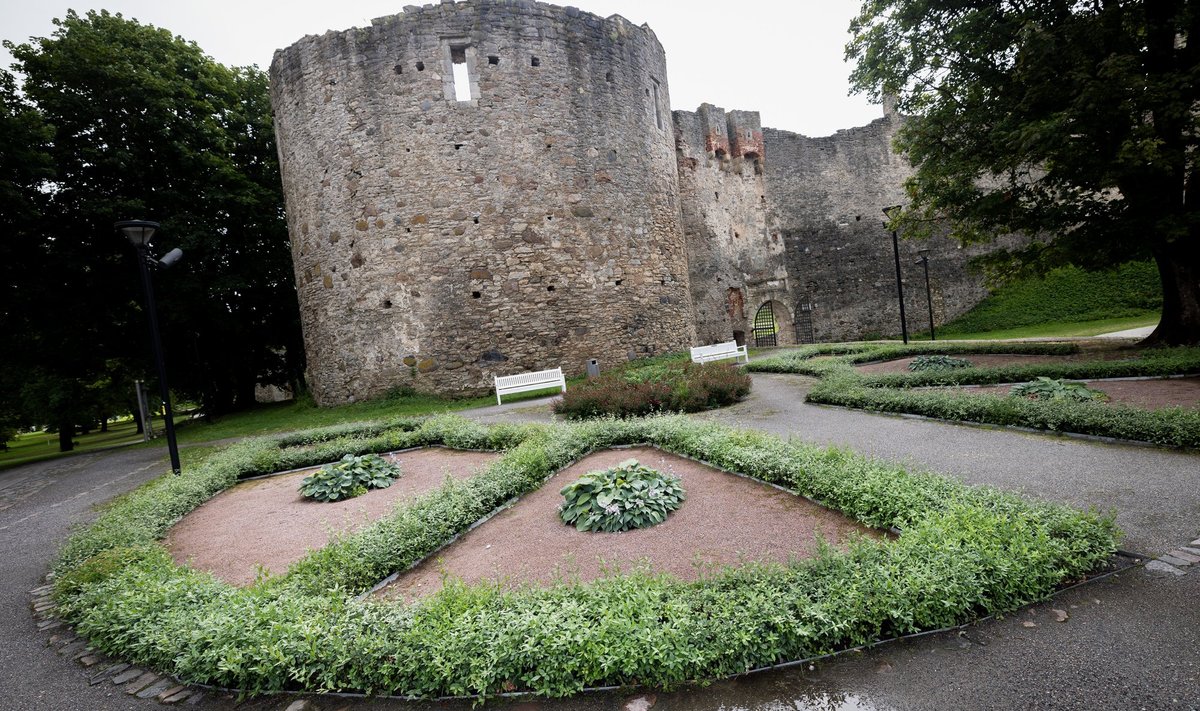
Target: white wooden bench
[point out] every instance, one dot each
(524, 382)
(720, 351)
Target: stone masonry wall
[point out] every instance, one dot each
(735, 262)
(825, 196)
(438, 242)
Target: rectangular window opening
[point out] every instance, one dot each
(462, 76)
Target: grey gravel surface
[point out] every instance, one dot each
(1131, 641)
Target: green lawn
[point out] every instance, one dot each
(1064, 329)
(36, 446)
(265, 419)
(303, 414)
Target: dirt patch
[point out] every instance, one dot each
(267, 522)
(993, 360)
(1148, 394)
(726, 520)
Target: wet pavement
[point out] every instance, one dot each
(1131, 641)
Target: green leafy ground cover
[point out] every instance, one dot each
(349, 477)
(621, 498)
(840, 384)
(963, 552)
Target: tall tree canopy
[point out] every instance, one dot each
(131, 122)
(1071, 121)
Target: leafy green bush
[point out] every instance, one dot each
(620, 498)
(350, 477)
(1057, 389)
(660, 387)
(963, 552)
(937, 362)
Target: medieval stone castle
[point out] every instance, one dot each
(498, 186)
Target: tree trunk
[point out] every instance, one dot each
(66, 436)
(1179, 269)
(104, 424)
(137, 418)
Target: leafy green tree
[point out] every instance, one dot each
(146, 126)
(1064, 118)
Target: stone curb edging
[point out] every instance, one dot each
(134, 681)
(1179, 561)
(167, 690)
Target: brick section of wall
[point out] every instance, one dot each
(439, 242)
(735, 262)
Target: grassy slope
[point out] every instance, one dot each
(1067, 302)
(1061, 329)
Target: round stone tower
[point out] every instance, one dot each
(479, 188)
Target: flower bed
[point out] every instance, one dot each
(963, 552)
(893, 392)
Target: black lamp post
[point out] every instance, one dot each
(139, 233)
(923, 260)
(891, 213)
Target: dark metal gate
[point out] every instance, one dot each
(804, 325)
(765, 328)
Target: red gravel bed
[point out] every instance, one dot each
(1148, 394)
(267, 522)
(726, 520)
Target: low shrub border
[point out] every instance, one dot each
(964, 552)
(656, 388)
(841, 385)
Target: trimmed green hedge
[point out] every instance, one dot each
(964, 552)
(840, 384)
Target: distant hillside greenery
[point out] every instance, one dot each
(1065, 294)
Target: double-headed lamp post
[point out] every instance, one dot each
(139, 233)
(891, 213)
(923, 260)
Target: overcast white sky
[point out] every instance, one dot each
(782, 58)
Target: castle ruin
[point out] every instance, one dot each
(497, 186)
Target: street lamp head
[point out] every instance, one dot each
(139, 232)
(891, 211)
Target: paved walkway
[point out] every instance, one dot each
(1129, 333)
(1128, 642)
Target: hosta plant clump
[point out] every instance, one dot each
(1057, 389)
(937, 362)
(622, 498)
(350, 477)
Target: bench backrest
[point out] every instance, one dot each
(524, 382)
(521, 379)
(715, 349)
(719, 351)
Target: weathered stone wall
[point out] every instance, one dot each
(825, 197)
(438, 242)
(735, 262)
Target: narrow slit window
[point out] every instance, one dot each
(462, 77)
(657, 109)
